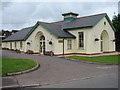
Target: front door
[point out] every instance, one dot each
(42, 45)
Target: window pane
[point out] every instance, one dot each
(20, 44)
(10, 45)
(15, 44)
(69, 44)
(81, 39)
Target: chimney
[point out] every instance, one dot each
(69, 16)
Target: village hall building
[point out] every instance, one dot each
(73, 35)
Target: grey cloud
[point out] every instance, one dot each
(5, 5)
(19, 15)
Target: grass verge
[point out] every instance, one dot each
(99, 59)
(10, 65)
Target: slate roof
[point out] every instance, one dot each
(87, 21)
(57, 30)
(60, 28)
(19, 35)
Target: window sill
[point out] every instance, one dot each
(69, 49)
(81, 49)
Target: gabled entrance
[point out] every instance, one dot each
(39, 45)
(104, 43)
(42, 44)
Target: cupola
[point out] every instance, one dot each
(69, 16)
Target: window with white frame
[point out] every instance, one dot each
(20, 44)
(69, 44)
(10, 45)
(81, 40)
(6, 44)
(15, 44)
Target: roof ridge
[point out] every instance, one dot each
(91, 15)
(43, 22)
(76, 18)
(26, 27)
(55, 23)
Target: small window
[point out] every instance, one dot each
(20, 44)
(6, 44)
(81, 39)
(69, 44)
(15, 44)
(104, 23)
(10, 45)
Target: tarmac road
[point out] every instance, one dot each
(55, 70)
(103, 81)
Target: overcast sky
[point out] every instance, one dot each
(17, 15)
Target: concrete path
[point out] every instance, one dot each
(54, 70)
(102, 54)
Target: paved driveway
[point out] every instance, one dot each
(55, 70)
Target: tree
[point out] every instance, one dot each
(116, 24)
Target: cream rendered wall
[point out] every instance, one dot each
(18, 45)
(95, 32)
(7, 45)
(56, 47)
(4, 44)
(59, 47)
(23, 46)
(48, 37)
(91, 46)
(73, 46)
(12, 45)
(76, 49)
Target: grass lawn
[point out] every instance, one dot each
(100, 59)
(8, 65)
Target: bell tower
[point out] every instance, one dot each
(69, 16)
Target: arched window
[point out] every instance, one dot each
(104, 23)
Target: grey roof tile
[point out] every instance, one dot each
(81, 22)
(19, 35)
(58, 31)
